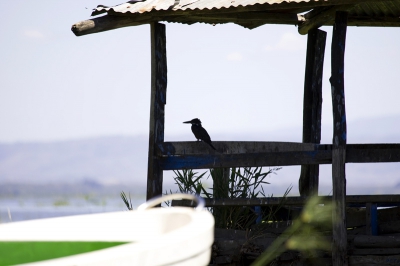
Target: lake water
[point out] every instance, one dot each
(13, 209)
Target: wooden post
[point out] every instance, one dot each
(220, 191)
(309, 176)
(339, 232)
(157, 106)
(371, 212)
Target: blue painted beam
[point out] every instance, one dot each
(245, 160)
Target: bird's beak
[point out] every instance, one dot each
(188, 122)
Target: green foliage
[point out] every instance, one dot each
(248, 182)
(229, 183)
(305, 234)
(190, 182)
(124, 198)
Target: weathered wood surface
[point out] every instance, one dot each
(220, 177)
(320, 16)
(337, 80)
(237, 247)
(389, 227)
(244, 160)
(367, 153)
(339, 234)
(374, 260)
(198, 155)
(384, 214)
(312, 107)
(105, 23)
(365, 241)
(375, 251)
(157, 107)
(387, 218)
(232, 147)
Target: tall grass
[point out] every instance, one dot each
(230, 183)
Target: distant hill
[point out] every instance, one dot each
(104, 160)
(120, 161)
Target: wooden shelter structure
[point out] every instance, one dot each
(308, 15)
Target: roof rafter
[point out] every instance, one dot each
(321, 17)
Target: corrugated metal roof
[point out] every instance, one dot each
(182, 5)
(306, 14)
(377, 9)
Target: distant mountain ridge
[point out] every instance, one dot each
(106, 160)
(119, 160)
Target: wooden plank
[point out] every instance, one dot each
(220, 177)
(374, 260)
(197, 155)
(300, 201)
(157, 106)
(364, 241)
(232, 147)
(389, 227)
(104, 23)
(366, 153)
(339, 234)
(312, 107)
(315, 19)
(245, 160)
(355, 153)
(375, 251)
(337, 80)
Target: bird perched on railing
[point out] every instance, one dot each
(199, 132)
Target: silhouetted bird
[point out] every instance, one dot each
(199, 132)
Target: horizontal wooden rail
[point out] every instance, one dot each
(380, 200)
(245, 160)
(231, 147)
(198, 155)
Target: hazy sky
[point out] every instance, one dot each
(56, 86)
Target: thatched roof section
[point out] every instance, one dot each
(306, 14)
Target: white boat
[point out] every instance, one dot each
(147, 236)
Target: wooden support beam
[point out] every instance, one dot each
(363, 241)
(372, 153)
(355, 153)
(245, 160)
(231, 147)
(157, 106)
(312, 106)
(104, 23)
(197, 155)
(220, 177)
(339, 232)
(319, 17)
(360, 200)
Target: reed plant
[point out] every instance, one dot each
(231, 183)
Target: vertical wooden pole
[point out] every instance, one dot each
(157, 107)
(220, 191)
(309, 176)
(371, 211)
(339, 232)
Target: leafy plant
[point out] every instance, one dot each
(305, 234)
(230, 183)
(190, 182)
(128, 204)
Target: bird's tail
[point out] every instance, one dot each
(212, 146)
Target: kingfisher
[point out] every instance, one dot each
(199, 132)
